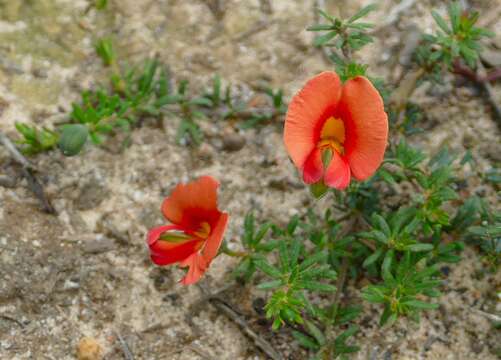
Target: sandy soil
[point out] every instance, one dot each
(86, 272)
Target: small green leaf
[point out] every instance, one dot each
(305, 341)
(319, 189)
(201, 101)
(268, 269)
(441, 22)
(320, 27)
(373, 294)
(373, 258)
(381, 224)
(270, 285)
(455, 14)
(362, 12)
(324, 39)
(315, 332)
(420, 247)
(318, 286)
(101, 4)
(387, 262)
(73, 138)
(104, 49)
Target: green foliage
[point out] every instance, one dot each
(143, 92)
(457, 39)
(399, 248)
(104, 49)
(433, 183)
(254, 245)
(107, 112)
(347, 69)
(397, 233)
(488, 236)
(101, 4)
(292, 277)
(348, 34)
(403, 285)
(35, 140)
(314, 339)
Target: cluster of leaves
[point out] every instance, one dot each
(458, 39)
(480, 225)
(101, 4)
(400, 249)
(295, 272)
(140, 93)
(345, 35)
(36, 140)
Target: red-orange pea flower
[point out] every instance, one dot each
(334, 130)
(197, 229)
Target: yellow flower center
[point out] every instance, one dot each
(332, 135)
(204, 230)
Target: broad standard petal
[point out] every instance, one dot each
(307, 111)
(362, 110)
(192, 203)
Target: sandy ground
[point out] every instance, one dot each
(86, 271)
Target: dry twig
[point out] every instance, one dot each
(254, 29)
(489, 316)
(228, 311)
(28, 172)
(14, 152)
(14, 320)
(125, 348)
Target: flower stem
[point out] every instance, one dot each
(340, 283)
(225, 250)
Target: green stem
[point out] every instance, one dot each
(240, 254)
(341, 280)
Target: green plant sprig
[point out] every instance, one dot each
(144, 92)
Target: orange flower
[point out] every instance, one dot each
(197, 229)
(333, 130)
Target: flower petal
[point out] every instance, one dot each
(192, 203)
(215, 239)
(164, 252)
(313, 167)
(362, 109)
(197, 266)
(174, 255)
(307, 111)
(337, 174)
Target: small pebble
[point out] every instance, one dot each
(205, 152)
(89, 349)
(233, 142)
(7, 181)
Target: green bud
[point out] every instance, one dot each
(174, 237)
(73, 138)
(318, 189)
